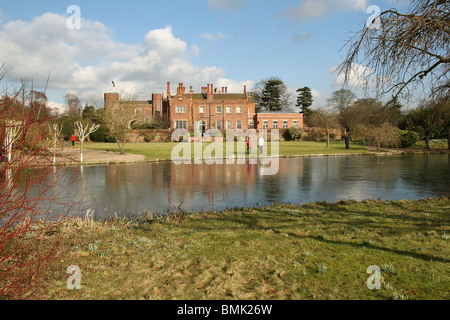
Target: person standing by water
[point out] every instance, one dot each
(347, 141)
(261, 145)
(249, 145)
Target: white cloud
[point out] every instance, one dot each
(320, 8)
(195, 50)
(2, 15)
(235, 87)
(302, 37)
(84, 61)
(225, 5)
(358, 74)
(59, 108)
(213, 37)
(319, 99)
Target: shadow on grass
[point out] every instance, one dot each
(279, 220)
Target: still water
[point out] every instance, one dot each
(133, 189)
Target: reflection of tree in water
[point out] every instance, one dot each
(427, 172)
(305, 180)
(271, 186)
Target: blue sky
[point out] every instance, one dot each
(144, 44)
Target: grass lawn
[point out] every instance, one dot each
(163, 150)
(312, 251)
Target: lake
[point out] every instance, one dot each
(158, 187)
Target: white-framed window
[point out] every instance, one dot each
(218, 109)
(238, 109)
(249, 110)
(228, 109)
(180, 124)
(275, 124)
(219, 125)
(250, 124)
(146, 120)
(265, 124)
(285, 124)
(295, 123)
(239, 124)
(229, 124)
(137, 111)
(201, 109)
(180, 109)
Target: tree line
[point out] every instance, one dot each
(365, 119)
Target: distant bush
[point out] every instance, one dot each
(317, 134)
(149, 137)
(333, 136)
(295, 133)
(409, 138)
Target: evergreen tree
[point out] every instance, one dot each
(304, 100)
(271, 95)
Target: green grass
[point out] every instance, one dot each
(312, 251)
(163, 151)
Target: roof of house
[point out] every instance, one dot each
(223, 96)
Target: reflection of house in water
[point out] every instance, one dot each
(174, 184)
(211, 181)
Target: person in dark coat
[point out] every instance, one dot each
(427, 141)
(347, 141)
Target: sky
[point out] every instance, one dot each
(142, 45)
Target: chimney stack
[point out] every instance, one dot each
(168, 89)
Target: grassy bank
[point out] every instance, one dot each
(163, 151)
(311, 251)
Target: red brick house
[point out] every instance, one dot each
(212, 108)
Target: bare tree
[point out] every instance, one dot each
(55, 133)
(404, 51)
(13, 131)
(83, 131)
(386, 135)
(74, 105)
(341, 99)
(324, 118)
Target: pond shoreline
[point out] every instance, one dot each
(71, 156)
(132, 158)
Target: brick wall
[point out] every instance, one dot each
(282, 120)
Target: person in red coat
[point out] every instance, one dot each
(73, 140)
